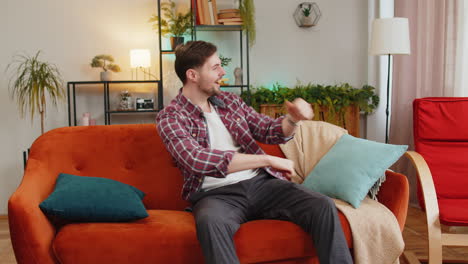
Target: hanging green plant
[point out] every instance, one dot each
(247, 12)
(175, 24)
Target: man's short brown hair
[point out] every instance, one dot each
(191, 55)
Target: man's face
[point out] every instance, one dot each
(210, 75)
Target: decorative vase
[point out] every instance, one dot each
(106, 76)
(126, 104)
(176, 41)
(238, 76)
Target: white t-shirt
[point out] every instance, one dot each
(221, 139)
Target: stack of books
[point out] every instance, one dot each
(229, 17)
(206, 12)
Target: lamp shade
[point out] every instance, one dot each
(390, 36)
(140, 58)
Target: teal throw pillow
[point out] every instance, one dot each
(351, 168)
(93, 199)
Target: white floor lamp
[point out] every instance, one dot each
(389, 36)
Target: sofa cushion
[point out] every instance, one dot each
(170, 237)
(351, 168)
(453, 212)
(93, 199)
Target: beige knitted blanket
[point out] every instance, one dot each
(376, 234)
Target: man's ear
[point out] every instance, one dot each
(192, 75)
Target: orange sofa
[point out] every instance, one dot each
(135, 154)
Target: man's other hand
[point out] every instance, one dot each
(284, 165)
(299, 110)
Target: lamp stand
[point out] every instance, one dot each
(387, 112)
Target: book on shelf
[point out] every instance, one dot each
(195, 7)
(223, 20)
(210, 11)
(221, 11)
(200, 12)
(214, 12)
(232, 23)
(228, 15)
(206, 12)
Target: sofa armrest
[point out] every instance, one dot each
(394, 194)
(30, 230)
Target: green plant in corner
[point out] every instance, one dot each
(172, 23)
(32, 82)
(247, 12)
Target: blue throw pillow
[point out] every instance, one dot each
(351, 168)
(93, 199)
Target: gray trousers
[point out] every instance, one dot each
(220, 212)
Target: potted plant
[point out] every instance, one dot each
(247, 13)
(337, 104)
(173, 24)
(224, 60)
(106, 62)
(224, 63)
(306, 18)
(32, 83)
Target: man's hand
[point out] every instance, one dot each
(299, 110)
(284, 165)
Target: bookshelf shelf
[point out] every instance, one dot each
(72, 88)
(218, 28)
(167, 52)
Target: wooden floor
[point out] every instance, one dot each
(414, 236)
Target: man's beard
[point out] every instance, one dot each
(212, 91)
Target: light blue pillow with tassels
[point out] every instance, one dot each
(351, 168)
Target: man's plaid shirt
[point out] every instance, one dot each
(183, 129)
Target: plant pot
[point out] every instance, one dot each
(307, 21)
(176, 41)
(106, 76)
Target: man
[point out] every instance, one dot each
(227, 177)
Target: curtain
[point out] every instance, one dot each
(430, 69)
(461, 52)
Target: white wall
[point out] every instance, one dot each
(377, 75)
(70, 33)
(335, 51)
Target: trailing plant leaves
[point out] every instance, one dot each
(247, 13)
(335, 97)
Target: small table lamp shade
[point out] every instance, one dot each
(140, 58)
(390, 36)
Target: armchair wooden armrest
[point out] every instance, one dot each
(31, 231)
(430, 203)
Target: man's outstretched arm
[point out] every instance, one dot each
(241, 161)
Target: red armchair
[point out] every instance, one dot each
(441, 161)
